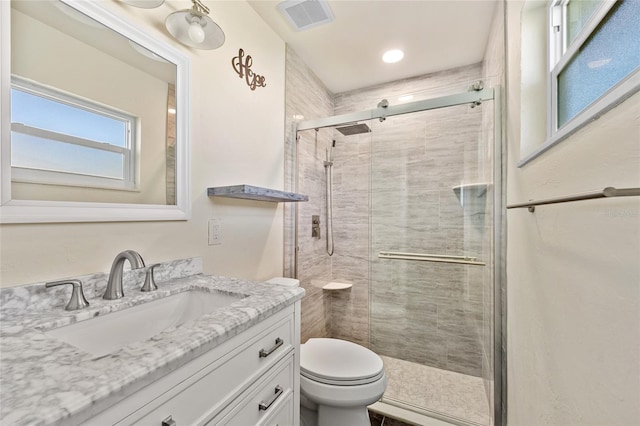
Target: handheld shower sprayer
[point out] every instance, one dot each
(328, 167)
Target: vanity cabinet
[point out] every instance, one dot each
(268, 403)
(251, 379)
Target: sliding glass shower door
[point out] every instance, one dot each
(413, 197)
(430, 259)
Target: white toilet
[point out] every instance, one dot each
(338, 379)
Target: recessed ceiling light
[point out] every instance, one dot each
(393, 56)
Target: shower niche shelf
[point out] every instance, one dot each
(476, 189)
(256, 193)
(471, 193)
(335, 285)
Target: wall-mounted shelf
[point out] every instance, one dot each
(248, 192)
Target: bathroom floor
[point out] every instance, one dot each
(380, 420)
(454, 395)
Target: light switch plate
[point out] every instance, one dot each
(215, 232)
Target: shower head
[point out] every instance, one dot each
(353, 129)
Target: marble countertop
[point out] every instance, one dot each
(45, 381)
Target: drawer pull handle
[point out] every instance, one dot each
(169, 421)
(264, 406)
(264, 353)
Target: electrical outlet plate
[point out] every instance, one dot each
(215, 232)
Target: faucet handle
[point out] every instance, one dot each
(77, 301)
(149, 281)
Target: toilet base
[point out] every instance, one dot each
(352, 416)
(332, 416)
(308, 417)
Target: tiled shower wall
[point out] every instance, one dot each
(307, 98)
(423, 312)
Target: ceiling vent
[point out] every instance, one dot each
(305, 14)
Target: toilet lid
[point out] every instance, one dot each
(337, 361)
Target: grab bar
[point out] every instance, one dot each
(603, 193)
(442, 258)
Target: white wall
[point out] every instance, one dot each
(573, 274)
(237, 136)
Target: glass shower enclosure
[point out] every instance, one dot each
(414, 231)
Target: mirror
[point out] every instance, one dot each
(94, 117)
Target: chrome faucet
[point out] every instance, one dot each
(77, 301)
(114, 284)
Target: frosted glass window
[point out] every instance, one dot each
(609, 55)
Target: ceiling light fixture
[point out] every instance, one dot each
(194, 28)
(393, 56)
(191, 27)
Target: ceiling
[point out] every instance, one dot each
(346, 53)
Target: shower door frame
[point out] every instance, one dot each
(499, 244)
(487, 94)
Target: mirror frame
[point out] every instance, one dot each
(33, 211)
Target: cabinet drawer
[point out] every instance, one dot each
(283, 416)
(203, 395)
(268, 401)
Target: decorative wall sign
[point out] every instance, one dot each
(242, 66)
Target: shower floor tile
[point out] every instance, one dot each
(449, 393)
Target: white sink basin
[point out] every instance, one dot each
(105, 334)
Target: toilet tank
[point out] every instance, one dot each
(287, 282)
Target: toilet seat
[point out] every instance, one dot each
(334, 382)
(339, 362)
(342, 396)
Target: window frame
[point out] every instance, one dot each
(560, 54)
(130, 180)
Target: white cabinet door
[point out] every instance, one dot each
(203, 399)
